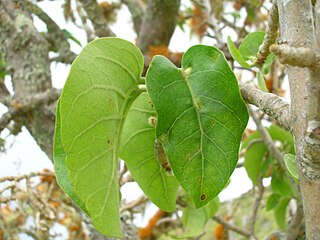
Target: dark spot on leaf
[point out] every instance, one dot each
(203, 197)
(109, 141)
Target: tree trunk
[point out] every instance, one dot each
(297, 29)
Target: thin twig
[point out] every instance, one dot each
(265, 136)
(231, 227)
(25, 176)
(256, 205)
(141, 200)
(271, 34)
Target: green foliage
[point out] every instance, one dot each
(290, 161)
(195, 219)
(261, 82)
(280, 212)
(137, 149)
(99, 90)
(60, 166)
(2, 67)
(272, 201)
(202, 132)
(71, 37)
(250, 45)
(235, 53)
(248, 51)
(253, 162)
(280, 183)
(199, 117)
(256, 156)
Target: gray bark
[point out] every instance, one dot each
(297, 28)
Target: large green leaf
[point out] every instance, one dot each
(201, 118)
(60, 166)
(137, 144)
(194, 220)
(97, 95)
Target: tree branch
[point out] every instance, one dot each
(159, 22)
(231, 227)
(265, 136)
(298, 57)
(96, 17)
(294, 229)
(271, 34)
(136, 8)
(27, 105)
(55, 35)
(257, 203)
(269, 103)
(4, 93)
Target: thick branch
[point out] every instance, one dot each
(136, 9)
(299, 57)
(96, 17)
(297, 27)
(28, 105)
(158, 24)
(271, 34)
(55, 35)
(269, 103)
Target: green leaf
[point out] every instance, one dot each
(102, 84)
(254, 160)
(201, 118)
(236, 54)
(250, 45)
(272, 201)
(278, 133)
(280, 183)
(194, 220)
(137, 144)
(261, 82)
(280, 213)
(266, 66)
(71, 37)
(290, 161)
(60, 166)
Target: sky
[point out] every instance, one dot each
(23, 155)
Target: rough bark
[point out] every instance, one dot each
(297, 29)
(269, 103)
(96, 17)
(26, 56)
(158, 23)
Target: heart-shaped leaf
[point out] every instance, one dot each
(102, 84)
(137, 144)
(201, 117)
